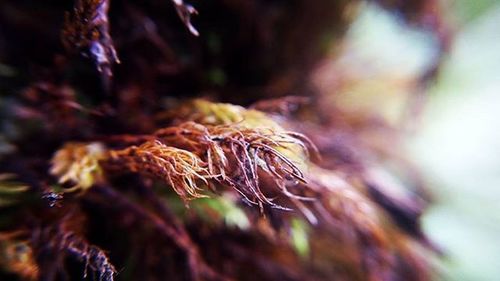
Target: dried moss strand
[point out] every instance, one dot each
(198, 267)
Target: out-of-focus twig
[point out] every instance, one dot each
(86, 30)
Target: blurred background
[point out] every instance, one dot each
(456, 139)
(458, 147)
(451, 127)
